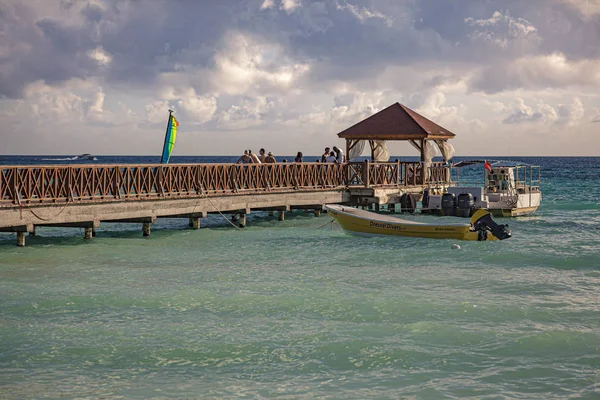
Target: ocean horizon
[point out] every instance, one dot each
(298, 309)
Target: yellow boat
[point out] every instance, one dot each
(366, 223)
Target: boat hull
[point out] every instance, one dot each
(365, 223)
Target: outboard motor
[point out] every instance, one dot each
(408, 203)
(465, 205)
(484, 223)
(449, 203)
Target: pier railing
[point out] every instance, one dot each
(379, 174)
(83, 183)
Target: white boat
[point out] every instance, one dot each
(85, 156)
(508, 191)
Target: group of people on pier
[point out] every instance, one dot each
(335, 155)
(250, 158)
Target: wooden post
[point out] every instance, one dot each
(242, 220)
(146, 229)
(194, 223)
(317, 213)
(281, 215)
(377, 207)
(87, 233)
(423, 172)
(392, 207)
(367, 174)
(20, 239)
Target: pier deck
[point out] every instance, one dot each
(86, 195)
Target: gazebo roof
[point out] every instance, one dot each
(396, 122)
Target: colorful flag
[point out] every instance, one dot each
(170, 137)
(487, 165)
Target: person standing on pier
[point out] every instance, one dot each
(262, 156)
(326, 154)
(330, 158)
(254, 157)
(245, 159)
(298, 157)
(270, 159)
(339, 155)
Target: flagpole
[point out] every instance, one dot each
(166, 137)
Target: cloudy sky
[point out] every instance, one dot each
(509, 77)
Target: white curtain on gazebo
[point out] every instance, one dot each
(446, 148)
(357, 150)
(380, 151)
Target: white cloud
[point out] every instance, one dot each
(246, 64)
(348, 108)
(290, 6)
(156, 111)
(48, 103)
(200, 108)
(521, 112)
(587, 8)
(267, 4)
(249, 113)
(500, 29)
(571, 114)
(562, 114)
(544, 71)
(435, 108)
(100, 56)
(363, 13)
(76, 101)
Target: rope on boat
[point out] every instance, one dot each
(328, 223)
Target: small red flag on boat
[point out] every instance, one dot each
(487, 165)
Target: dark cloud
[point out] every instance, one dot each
(342, 40)
(41, 49)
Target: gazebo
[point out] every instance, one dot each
(397, 122)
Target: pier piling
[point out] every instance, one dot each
(20, 239)
(194, 223)
(88, 233)
(281, 215)
(242, 221)
(146, 229)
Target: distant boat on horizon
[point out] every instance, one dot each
(85, 156)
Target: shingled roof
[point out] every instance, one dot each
(396, 122)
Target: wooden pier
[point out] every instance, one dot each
(84, 196)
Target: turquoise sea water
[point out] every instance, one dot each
(287, 310)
